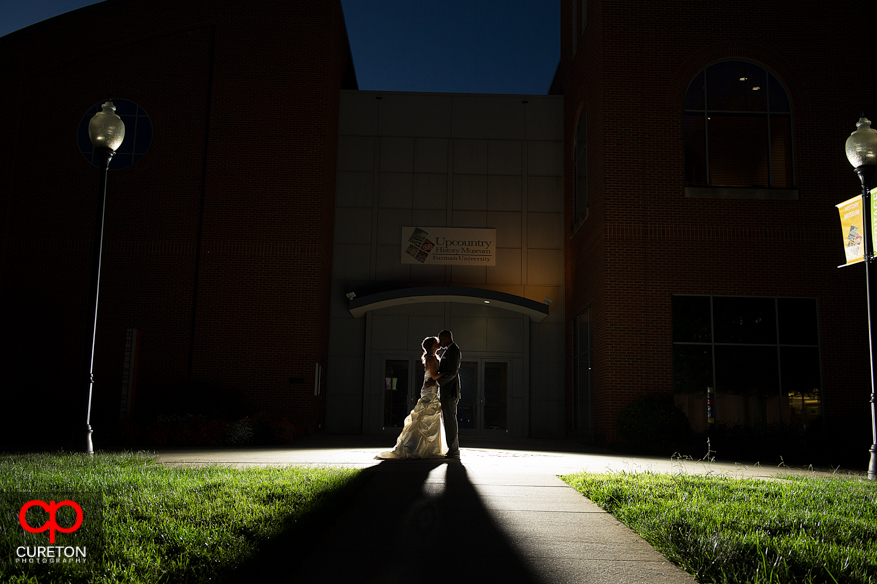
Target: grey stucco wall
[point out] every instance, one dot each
(450, 160)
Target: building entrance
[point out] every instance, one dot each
(483, 409)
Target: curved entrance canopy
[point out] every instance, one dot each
(359, 305)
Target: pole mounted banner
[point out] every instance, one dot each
(852, 223)
(873, 217)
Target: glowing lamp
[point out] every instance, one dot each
(106, 129)
(861, 146)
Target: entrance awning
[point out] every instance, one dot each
(361, 304)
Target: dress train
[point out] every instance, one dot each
(423, 435)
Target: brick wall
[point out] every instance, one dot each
(645, 241)
(217, 243)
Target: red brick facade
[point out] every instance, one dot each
(218, 243)
(645, 241)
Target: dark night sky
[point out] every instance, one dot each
(469, 46)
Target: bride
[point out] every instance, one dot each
(423, 435)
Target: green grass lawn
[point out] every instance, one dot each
(161, 523)
(735, 531)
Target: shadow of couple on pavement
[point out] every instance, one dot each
(411, 521)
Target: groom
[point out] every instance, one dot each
(450, 389)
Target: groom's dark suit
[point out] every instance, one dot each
(450, 395)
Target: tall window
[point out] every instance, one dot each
(579, 21)
(575, 25)
(582, 363)
(738, 128)
(581, 168)
(760, 355)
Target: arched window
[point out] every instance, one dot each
(579, 21)
(581, 168)
(738, 128)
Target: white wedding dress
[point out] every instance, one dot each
(423, 435)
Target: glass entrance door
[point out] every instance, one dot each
(397, 382)
(402, 379)
(495, 402)
(484, 405)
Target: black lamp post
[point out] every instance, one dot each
(861, 149)
(106, 131)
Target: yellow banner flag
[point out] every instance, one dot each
(852, 223)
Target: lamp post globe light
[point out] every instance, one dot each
(106, 132)
(861, 149)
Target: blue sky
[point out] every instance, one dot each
(469, 46)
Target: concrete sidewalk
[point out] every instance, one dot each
(555, 457)
(499, 514)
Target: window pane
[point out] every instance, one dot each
(395, 393)
(582, 134)
(692, 369)
(800, 367)
(127, 145)
(744, 320)
(496, 392)
(781, 151)
(802, 383)
(575, 24)
(694, 99)
(798, 321)
(738, 150)
(691, 319)
(581, 200)
(695, 149)
(85, 145)
(747, 385)
(744, 370)
(583, 332)
(736, 86)
(125, 108)
(123, 159)
(466, 407)
(779, 99)
(143, 136)
(581, 185)
(582, 395)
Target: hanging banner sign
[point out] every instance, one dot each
(448, 246)
(873, 199)
(852, 223)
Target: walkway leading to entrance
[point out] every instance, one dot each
(499, 514)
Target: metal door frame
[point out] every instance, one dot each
(413, 393)
(479, 429)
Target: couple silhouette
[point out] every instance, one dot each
(430, 430)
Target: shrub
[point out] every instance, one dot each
(240, 433)
(654, 420)
(175, 431)
(271, 430)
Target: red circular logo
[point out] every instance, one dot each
(51, 508)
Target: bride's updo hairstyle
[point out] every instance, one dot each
(427, 344)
